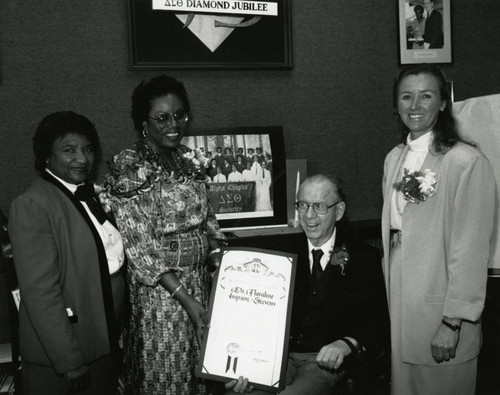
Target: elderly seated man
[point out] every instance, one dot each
(340, 316)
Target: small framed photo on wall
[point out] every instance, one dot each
(424, 31)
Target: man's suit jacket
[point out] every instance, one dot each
(445, 247)
(434, 30)
(56, 255)
(356, 302)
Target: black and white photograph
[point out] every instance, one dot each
(425, 31)
(246, 174)
(220, 197)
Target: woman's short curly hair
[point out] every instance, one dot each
(146, 91)
(57, 125)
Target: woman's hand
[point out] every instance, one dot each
(215, 253)
(239, 386)
(198, 316)
(444, 344)
(215, 258)
(195, 310)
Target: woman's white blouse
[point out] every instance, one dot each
(415, 153)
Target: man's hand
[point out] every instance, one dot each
(78, 379)
(444, 344)
(332, 355)
(239, 386)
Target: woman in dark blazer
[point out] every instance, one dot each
(68, 258)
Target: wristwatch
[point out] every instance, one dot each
(454, 328)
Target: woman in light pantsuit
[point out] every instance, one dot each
(436, 230)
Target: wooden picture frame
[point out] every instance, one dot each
(180, 34)
(426, 39)
(231, 203)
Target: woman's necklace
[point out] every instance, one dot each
(399, 194)
(165, 164)
(177, 159)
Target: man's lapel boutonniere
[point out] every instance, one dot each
(417, 186)
(339, 256)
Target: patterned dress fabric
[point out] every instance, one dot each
(165, 221)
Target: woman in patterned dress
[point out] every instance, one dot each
(157, 193)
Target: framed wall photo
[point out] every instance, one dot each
(195, 34)
(246, 167)
(424, 31)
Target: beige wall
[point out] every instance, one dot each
(335, 105)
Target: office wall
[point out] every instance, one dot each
(335, 105)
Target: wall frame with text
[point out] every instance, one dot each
(424, 31)
(195, 34)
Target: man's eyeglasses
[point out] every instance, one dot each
(180, 116)
(318, 208)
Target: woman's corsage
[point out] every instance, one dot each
(417, 186)
(339, 256)
(193, 165)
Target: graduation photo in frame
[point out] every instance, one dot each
(250, 312)
(254, 196)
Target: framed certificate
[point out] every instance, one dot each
(250, 312)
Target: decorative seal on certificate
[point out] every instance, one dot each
(233, 352)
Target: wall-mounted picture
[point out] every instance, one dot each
(193, 34)
(247, 175)
(424, 31)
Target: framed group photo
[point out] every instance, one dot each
(219, 34)
(246, 168)
(424, 31)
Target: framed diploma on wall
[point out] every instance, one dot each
(250, 312)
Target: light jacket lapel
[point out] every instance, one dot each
(392, 175)
(431, 160)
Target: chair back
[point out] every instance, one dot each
(12, 292)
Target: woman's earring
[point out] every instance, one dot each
(144, 133)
